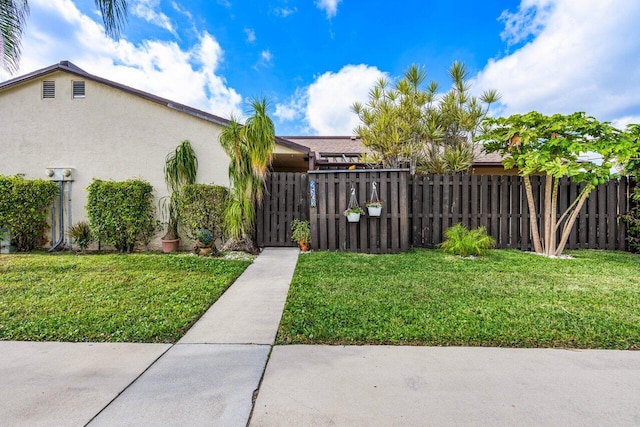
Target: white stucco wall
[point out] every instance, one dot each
(110, 135)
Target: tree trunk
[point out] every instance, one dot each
(548, 192)
(553, 218)
(569, 225)
(533, 220)
(245, 244)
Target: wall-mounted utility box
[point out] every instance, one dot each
(60, 174)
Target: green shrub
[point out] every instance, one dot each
(202, 206)
(80, 232)
(464, 242)
(24, 205)
(205, 236)
(121, 213)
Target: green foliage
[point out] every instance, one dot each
(202, 206)
(508, 298)
(300, 231)
(181, 168)
(408, 124)
(80, 232)
(354, 210)
(108, 298)
(632, 216)
(464, 242)
(553, 146)
(250, 150)
(24, 205)
(121, 213)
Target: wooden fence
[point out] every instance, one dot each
(499, 203)
(417, 210)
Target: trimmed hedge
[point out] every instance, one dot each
(202, 206)
(24, 205)
(121, 213)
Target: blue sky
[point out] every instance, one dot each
(313, 59)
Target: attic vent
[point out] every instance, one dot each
(78, 89)
(48, 89)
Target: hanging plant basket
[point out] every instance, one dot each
(374, 205)
(353, 211)
(374, 210)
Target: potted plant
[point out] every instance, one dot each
(375, 208)
(181, 167)
(204, 242)
(353, 213)
(301, 233)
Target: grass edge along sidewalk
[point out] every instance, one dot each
(108, 298)
(425, 297)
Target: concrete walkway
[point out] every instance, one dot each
(210, 376)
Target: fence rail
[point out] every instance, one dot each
(418, 209)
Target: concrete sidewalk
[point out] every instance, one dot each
(210, 376)
(445, 386)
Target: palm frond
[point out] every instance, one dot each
(13, 16)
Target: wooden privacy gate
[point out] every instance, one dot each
(418, 209)
(285, 198)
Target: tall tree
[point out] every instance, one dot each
(407, 124)
(552, 146)
(250, 150)
(13, 18)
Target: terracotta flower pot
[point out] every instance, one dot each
(170, 245)
(304, 246)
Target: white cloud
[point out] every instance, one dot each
(585, 56)
(529, 20)
(285, 11)
(266, 56)
(329, 6)
(57, 30)
(326, 104)
(251, 35)
(149, 11)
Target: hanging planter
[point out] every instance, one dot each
(353, 211)
(374, 205)
(353, 214)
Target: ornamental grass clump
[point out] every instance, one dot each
(80, 233)
(465, 243)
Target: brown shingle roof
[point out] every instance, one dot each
(331, 147)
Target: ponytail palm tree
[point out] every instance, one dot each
(13, 17)
(250, 150)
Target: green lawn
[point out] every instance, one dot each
(425, 297)
(134, 298)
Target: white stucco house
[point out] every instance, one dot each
(63, 117)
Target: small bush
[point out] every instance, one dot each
(202, 206)
(205, 236)
(80, 232)
(24, 207)
(464, 242)
(121, 213)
